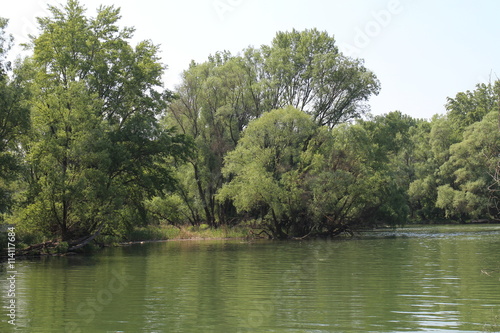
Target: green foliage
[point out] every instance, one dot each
(304, 179)
(470, 107)
(360, 188)
(61, 247)
(153, 233)
(166, 232)
(267, 166)
(472, 164)
(422, 194)
(14, 122)
(220, 97)
(431, 142)
(306, 70)
(215, 103)
(96, 149)
(89, 140)
(169, 208)
(457, 160)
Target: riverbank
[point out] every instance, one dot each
(29, 244)
(168, 232)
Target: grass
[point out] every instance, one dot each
(149, 233)
(152, 233)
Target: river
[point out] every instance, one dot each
(439, 278)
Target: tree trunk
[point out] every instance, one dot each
(208, 215)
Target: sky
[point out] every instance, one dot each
(422, 51)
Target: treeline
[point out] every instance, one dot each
(277, 138)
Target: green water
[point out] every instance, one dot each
(414, 279)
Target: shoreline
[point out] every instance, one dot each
(193, 236)
(174, 240)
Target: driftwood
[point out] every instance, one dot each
(303, 237)
(74, 244)
(259, 234)
(342, 229)
(40, 246)
(86, 241)
(333, 232)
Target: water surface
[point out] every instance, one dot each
(442, 279)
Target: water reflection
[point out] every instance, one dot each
(399, 281)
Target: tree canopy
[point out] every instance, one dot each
(95, 149)
(277, 137)
(14, 121)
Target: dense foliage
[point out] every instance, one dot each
(279, 137)
(95, 150)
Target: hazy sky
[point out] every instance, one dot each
(421, 50)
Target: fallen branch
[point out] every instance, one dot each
(259, 235)
(88, 240)
(40, 246)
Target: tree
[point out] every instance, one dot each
(215, 103)
(432, 141)
(306, 70)
(494, 189)
(267, 169)
(14, 120)
(218, 99)
(96, 150)
(471, 106)
(472, 163)
(304, 179)
(356, 184)
(422, 190)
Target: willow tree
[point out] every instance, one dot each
(218, 98)
(302, 179)
(472, 194)
(268, 167)
(306, 70)
(96, 149)
(215, 103)
(469, 107)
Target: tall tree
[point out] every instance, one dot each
(306, 70)
(218, 99)
(14, 120)
(215, 103)
(96, 148)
